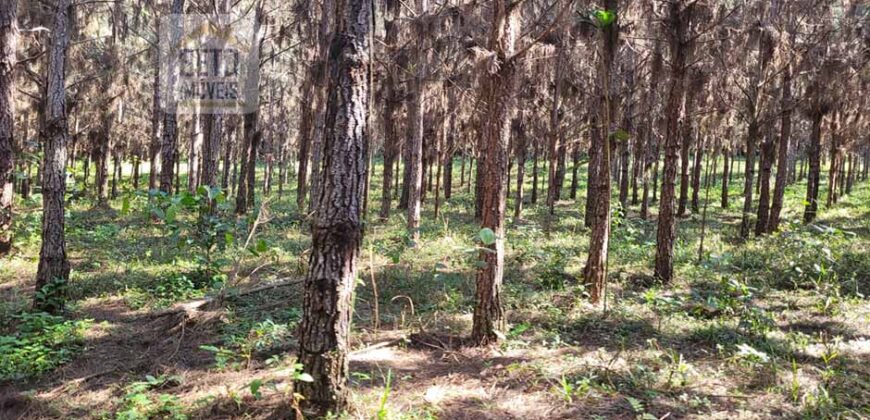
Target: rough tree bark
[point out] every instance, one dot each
(555, 149)
(696, 175)
(415, 124)
(337, 226)
(53, 264)
(814, 157)
(726, 174)
(679, 15)
(496, 94)
(595, 271)
(749, 175)
(768, 153)
(519, 134)
(170, 121)
(8, 47)
(154, 146)
(391, 101)
(306, 121)
(247, 152)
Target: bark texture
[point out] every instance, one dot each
(336, 226)
(53, 269)
(595, 271)
(170, 122)
(782, 169)
(678, 22)
(497, 93)
(8, 46)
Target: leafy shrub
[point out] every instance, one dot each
(40, 343)
(137, 404)
(210, 234)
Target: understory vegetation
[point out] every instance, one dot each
(175, 315)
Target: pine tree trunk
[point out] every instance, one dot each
(249, 129)
(251, 176)
(519, 134)
(679, 17)
(534, 198)
(116, 173)
(595, 271)
(170, 123)
(625, 168)
(575, 170)
(749, 177)
(306, 121)
(337, 226)
(783, 161)
(696, 176)
(228, 154)
(8, 47)
(194, 151)
(391, 102)
(814, 156)
(211, 146)
(53, 266)
(768, 153)
(415, 126)
(137, 159)
(556, 149)
(850, 175)
(687, 132)
(154, 135)
(834, 169)
(101, 181)
(726, 176)
(497, 93)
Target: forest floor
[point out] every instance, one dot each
(773, 327)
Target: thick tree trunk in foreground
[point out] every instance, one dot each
(337, 226)
(496, 93)
(8, 46)
(595, 271)
(679, 17)
(53, 269)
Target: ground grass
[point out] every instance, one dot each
(769, 328)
